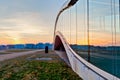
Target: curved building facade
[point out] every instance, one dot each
(88, 31)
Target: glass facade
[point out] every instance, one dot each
(92, 28)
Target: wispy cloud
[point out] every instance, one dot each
(26, 24)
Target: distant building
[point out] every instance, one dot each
(79, 47)
(10, 46)
(26, 46)
(40, 46)
(3, 47)
(113, 48)
(19, 46)
(30, 46)
(49, 45)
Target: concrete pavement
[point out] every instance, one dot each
(14, 55)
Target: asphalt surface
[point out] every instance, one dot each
(14, 55)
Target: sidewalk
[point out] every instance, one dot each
(14, 55)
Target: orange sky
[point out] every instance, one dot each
(29, 22)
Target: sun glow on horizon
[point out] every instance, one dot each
(16, 41)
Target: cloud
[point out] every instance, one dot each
(25, 24)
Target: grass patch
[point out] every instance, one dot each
(23, 69)
(4, 53)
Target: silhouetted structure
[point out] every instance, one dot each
(46, 49)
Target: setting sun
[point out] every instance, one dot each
(16, 40)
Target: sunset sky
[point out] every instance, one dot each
(32, 21)
(27, 21)
(103, 23)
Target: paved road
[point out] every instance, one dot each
(14, 55)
